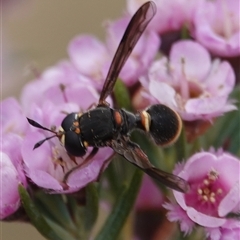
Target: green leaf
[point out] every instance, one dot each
(180, 147)
(121, 210)
(122, 95)
(226, 130)
(62, 231)
(35, 216)
(75, 211)
(112, 173)
(54, 207)
(91, 208)
(185, 32)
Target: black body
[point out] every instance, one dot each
(98, 126)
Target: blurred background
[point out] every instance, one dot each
(35, 35)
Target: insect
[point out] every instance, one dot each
(104, 126)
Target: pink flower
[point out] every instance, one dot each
(12, 117)
(230, 231)
(171, 15)
(195, 87)
(214, 193)
(12, 174)
(61, 84)
(13, 126)
(89, 56)
(50, 167)
(47, 100)
(92, 58)
(217, 27)
(149, 196)
(142, 55)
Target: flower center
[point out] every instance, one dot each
(61, 163)
(206, 194)
(188, 87)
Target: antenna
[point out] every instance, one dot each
(37, 125)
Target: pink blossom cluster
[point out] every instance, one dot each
(92, 58)
(214, 24)
(58, 91)
(214, 194)
(189, 80)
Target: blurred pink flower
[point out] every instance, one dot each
(12, 117)
(149, 196)
(171, 15)
(61, 84)
(93, 58)
(190, 82)
(230, 231)
(217, 27)
(89, 55)
(214, 182)
(12, 174)
(142, 55)
(13, 127)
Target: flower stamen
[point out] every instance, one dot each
(184, 87)
(206, 182)
(206, 191)
(62, 88)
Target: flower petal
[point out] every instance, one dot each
(82, 176)
(217, 27)
(9, 197)
(183, 59)
(44, 180)
(87, 53)
(203, 219)
(230, 201)
(208, 108)
(163, 92)
(12, 117)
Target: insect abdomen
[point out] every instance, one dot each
(165, 125)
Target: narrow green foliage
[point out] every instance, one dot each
(185, 32)
(74, 211)
(53, 206)
(121, 210)
(112, 174)
(122, 96)
(62, 232)
(91, 208)
(35, 216)
(225, 132)
(181, 147)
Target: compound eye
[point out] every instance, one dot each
(68, 121)
(73, 144)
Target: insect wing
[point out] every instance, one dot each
(133, 153)
(133, 32)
